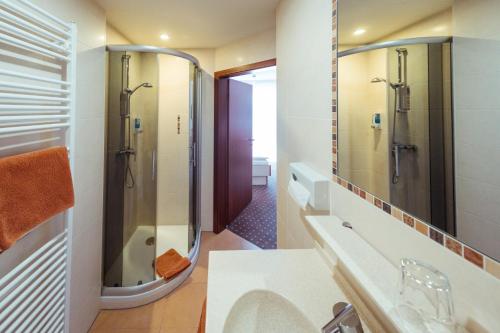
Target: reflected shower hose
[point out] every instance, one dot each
(128, 173)
(128, 170)
(395, 155)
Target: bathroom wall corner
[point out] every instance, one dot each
(304, 95)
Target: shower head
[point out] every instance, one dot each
(144, 84)
(377, 80)
(402, 50)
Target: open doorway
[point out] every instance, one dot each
(245, 155)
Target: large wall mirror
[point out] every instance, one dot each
(419, 110)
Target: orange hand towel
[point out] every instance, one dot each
(33, 188)
(171, 263)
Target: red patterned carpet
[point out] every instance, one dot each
(257, 222)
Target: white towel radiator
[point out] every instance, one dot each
(37, 107)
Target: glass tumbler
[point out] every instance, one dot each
(424, 300)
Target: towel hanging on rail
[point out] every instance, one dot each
(33, 188)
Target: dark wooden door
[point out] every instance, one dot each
(232, 136)
(240, 147)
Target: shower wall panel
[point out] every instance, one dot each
(363, 150)
(412, 190)
(115, 173)
(131, 210)
(140, 200)
(173, 144)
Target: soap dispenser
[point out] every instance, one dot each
(138, 125)
(376, 121)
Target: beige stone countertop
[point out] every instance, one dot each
(300, 276)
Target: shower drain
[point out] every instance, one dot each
(150, 241)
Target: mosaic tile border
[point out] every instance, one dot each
(474, 257)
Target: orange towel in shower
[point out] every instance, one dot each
(170, 264)
(33, 188)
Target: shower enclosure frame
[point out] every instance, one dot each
(395, 43)
(132, 296)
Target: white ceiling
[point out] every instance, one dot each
(189, 23)
(382, 17)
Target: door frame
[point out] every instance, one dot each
(221, 139)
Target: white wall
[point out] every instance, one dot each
(264, 119)
(476, 83)
(113, 36)
(304, 94)
(89, 157)
(439, 24)
(248, 50)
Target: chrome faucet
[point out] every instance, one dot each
(345, 320)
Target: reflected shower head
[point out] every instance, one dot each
(377, 80)
(144, 84)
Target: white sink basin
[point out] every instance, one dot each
(265, 311)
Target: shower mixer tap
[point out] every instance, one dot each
(126, 151)
(396, 151)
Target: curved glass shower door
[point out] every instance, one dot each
(175, 209)
(150, 180)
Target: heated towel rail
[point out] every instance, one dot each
(37, 107)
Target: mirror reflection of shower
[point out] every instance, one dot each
(126, 148)
(395, 122)
(401, 105)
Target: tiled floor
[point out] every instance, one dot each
(180, 311)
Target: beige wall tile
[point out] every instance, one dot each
(493, 267)
(422, 228)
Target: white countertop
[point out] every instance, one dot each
(305, 278)
(368, 269)
(372, 271)
(300, 276)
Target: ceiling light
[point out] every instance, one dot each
(164, 37)
(359, 31)
(439, 28)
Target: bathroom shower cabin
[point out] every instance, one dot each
(151, 176)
